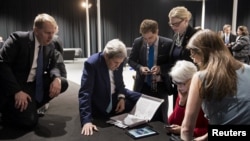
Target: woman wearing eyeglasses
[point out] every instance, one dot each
(220, 87)
(179, 18)
(182, 73)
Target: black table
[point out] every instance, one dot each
(113, 133)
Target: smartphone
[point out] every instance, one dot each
(149, 72)
(168, 126)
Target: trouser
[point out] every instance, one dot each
(28, 118)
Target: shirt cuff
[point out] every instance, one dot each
(121, 96)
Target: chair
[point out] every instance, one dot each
(69, 55)
(128, 53)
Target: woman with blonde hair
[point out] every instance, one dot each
(220, 87)
(179, 18)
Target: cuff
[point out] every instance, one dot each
(121, 96)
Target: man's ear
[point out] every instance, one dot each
(35, 30)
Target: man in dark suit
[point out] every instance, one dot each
(103, 93)
(18, 67)
(58, 45)
(139, 61)
(228, 37)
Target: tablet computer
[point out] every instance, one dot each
(141, 132)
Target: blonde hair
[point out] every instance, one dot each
(180, 12)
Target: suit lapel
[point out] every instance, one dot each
(144, 53)
(105, 75)
(31, 46)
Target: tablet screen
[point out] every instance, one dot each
(141, 132)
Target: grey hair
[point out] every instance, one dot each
(115, 49)
(182, 71)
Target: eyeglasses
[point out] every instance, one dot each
(179, 83)
(192, 53)
(176, 24)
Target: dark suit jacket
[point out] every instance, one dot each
(94, 94)
(232, 38)
(57, 43)
(138, 58)
(16, 58)
(241, 49)
(184, 53)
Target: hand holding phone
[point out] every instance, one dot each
(168, 126)
(148, 71)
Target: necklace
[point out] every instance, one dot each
(179, 39)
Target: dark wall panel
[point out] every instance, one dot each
(119, 18)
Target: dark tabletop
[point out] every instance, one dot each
(113, 133)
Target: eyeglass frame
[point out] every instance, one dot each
(181, 83)
(193, 52)
(176, 24)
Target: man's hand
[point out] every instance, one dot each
(145, 70)
(55, 88)
(88, 129)
(156, 70)
(22, 100)
(120, 106)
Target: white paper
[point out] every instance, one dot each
(143, 112)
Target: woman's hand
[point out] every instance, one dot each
(175, 129)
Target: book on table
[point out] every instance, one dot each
(142, 112)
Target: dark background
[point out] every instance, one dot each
(119, 18)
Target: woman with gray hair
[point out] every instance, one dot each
(181, 74)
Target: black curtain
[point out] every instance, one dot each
(243, 16)
(16, 15)
(218, 13)
(119, 18)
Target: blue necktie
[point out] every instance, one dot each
(150, 63)
(39, 75)
(109, 108)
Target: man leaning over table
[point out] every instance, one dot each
(102, 93)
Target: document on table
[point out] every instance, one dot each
(143, 112)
